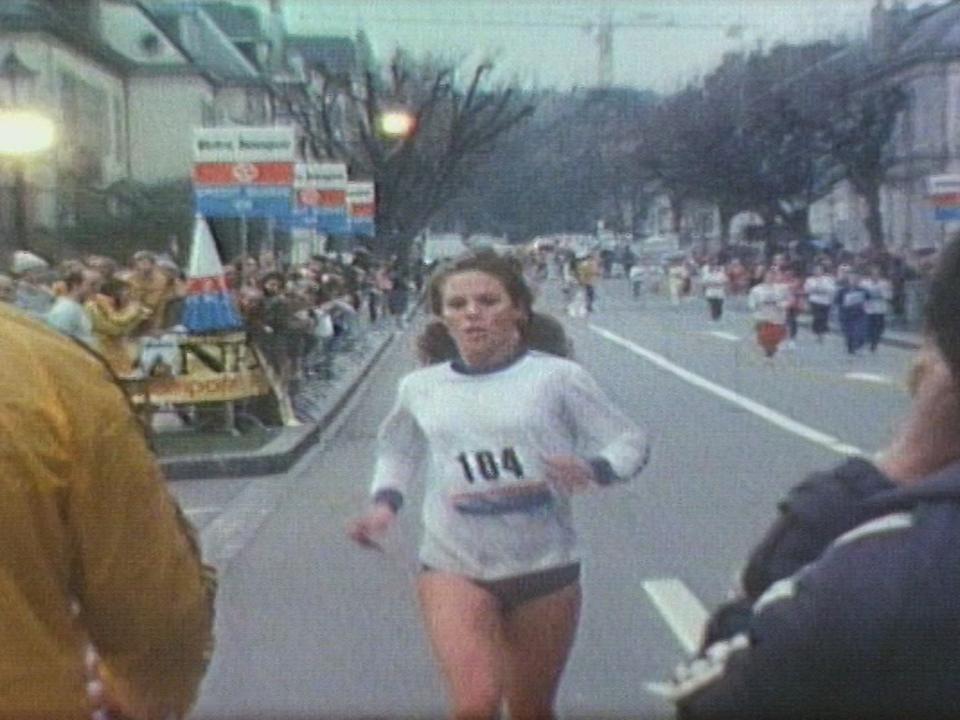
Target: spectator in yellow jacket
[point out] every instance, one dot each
(96, 552)
(115, 318)
(150, 286)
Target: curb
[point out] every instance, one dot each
(281, 453)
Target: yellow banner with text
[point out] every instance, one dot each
(179, 369)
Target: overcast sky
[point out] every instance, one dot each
(548, 42)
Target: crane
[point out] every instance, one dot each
(601, 28)
(602, 31)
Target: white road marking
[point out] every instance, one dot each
(724, 335)
(661, 689)
(762, 411)
(206, 510)
(870, 377)
(685, 614)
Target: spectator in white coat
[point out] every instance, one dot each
(879, 294)
(68, 314)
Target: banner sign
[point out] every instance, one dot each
(243, 144)
(946, 214)
(255, 201)
(943, 185)
(197, 369)
(299, 217)
(243, 173)
(361, 203)
(322, 188)
(944, 192)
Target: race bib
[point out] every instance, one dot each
(497, 482)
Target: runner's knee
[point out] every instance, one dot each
(477, 703)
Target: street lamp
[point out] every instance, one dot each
(396, 124)
(23, 133)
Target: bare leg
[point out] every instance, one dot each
(464, 626)
(539, 635)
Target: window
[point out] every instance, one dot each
(86, 111)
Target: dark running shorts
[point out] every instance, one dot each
(514, 591)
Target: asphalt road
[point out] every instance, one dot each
(311, 627)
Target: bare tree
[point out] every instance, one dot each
(738, 139)
(857, 113)
(455, 125)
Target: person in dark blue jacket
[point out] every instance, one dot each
(850, 603)
(852, 309)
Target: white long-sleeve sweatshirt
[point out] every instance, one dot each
(479, 441)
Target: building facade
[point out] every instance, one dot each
(918, 50)
(125, 82)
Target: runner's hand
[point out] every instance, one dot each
(569, 474)
(368, 529)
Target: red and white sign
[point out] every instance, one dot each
(361, 199)
(321, 185)
(947, 200)
(277, 173)
(321, 175)
(311, 197)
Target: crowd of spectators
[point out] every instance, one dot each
(299, 316)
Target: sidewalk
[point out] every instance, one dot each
(188, 454)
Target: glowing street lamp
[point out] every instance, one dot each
(396, 123)
(23, 133)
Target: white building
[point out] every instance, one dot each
(920, 51)
(125, 83)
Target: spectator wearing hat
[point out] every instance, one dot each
(33, 295)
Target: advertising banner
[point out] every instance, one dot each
(243, 144)
(279, 173)
(197, 369)
(222, 201)
(361, 203)
(322, 189)
(243, 172)
(944, 192)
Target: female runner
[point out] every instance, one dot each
(504, 434)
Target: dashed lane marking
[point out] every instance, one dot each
(204, 510)
(661, 689)
(870, 377)
(684, 613)
(772, 416)
(724, 335)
